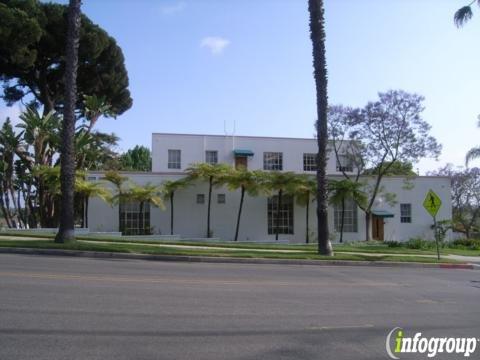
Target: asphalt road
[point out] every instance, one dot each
(75, 308)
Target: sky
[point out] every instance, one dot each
(216, 66)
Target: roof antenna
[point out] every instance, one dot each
(232, 134)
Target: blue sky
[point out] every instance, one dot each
(195, 65)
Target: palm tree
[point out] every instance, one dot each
(142, 194)
(118, 181)
(67, 156)
(340, 191)
(88, 189)
(9, 145)
(41, 132)
(249, 182)
(280, 182)
(317, 35)
(464, 14)
(170, 187)
(215, 175)
(473, 153)
(304, 192)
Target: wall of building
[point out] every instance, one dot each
(190, 217)
(193, 149)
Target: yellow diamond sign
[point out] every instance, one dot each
(432, 203)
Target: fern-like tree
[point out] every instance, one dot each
(214, 175)
(87, 190)
(304, 190)
(281, 183)
(342, 190)
(143, 194)
(169, 189)
(249, 182)
(464, 14)
(118, 181)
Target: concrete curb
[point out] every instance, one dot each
(229, 260)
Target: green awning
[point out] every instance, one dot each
(242, 152)
(382, 213)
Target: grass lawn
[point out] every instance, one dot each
(243, 253)
(373, 247)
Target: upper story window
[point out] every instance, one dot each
(405, 213)
(309, 162)
(272, 161)
(174, 159)
(344, 163)
(211, 157)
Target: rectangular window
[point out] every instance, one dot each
(405, 213)
(272, 161)
(350, 219)
(285, 220)
(309, 162)
(200, 198)
(344, 163)
(174, 159)
(221, 198)
(133, 220)
(211, 157)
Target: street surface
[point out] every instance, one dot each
(79, 309)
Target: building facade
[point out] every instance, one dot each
(172, 154)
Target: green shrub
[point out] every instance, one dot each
(394, 244)
(471, 244)
(420, 244)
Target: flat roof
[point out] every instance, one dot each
(238, 136)
(150, 173)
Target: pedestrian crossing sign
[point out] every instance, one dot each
(432, 203)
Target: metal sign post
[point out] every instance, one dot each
(432, 204)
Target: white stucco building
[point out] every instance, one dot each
(173, 153)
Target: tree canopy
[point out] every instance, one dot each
(139, 159)
(380, 136)
(398, 168)
(32, 58)
(465, 190)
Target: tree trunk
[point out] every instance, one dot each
(4, 210)
(307, 237)
(342, 221)
(239, 213)
(86, 212)
(120, 227)
(15, 206)
(140, 218)
(210, 185)
(67, 157)
(21, 217)
(367, 226)
(277, 220)
(317, 35)
(171, 212)
(13, 224)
